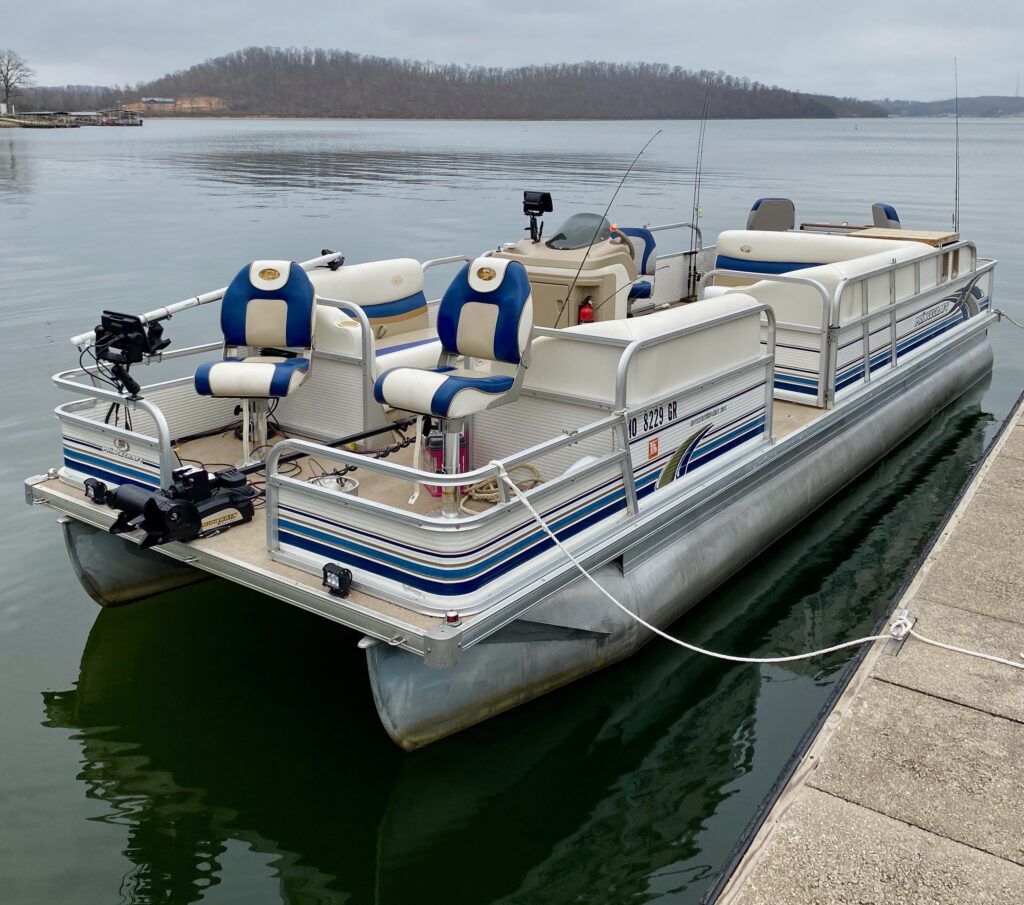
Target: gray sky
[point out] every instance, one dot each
(862, 48)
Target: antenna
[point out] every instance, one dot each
(956, 175)
(597, 229)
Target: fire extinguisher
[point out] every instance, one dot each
(586, 312)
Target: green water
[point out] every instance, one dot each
(214, 745)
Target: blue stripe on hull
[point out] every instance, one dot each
(443, 588)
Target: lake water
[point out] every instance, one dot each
(214, 745)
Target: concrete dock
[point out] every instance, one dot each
(913, 790)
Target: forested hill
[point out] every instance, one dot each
(270, 81)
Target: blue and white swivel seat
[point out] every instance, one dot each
(645, 256)
(267, 317)
(885, 216)
(486, 313)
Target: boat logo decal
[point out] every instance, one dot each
(122, 445)
(116, 450)
(746, 249)
(679, 463)
(270, 273)
(486, 273)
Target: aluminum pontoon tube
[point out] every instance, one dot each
(115, 573)
(419, 704)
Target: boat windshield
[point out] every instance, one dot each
(579, 231)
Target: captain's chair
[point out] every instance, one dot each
(267, 314)
(486, 313)
(646, 258)
(885, 216)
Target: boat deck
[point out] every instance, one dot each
(911, 790)
(241, 554)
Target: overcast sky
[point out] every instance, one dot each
(863, 48)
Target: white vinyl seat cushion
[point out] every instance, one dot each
(252, 377)
(441, 392)
(414, 349)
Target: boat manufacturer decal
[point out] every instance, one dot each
(486, 273)
(932, 313)
(680, 462)
(270, 273)
(116, 450)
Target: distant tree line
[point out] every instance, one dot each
(967, 106)
(307, 82)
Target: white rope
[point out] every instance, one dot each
(487, 491)
(964, 650)
(898, 630)
(1002, 313)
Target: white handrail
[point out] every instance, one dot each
(84, 339)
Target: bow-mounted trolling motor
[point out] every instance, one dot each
(197, 504)
(534, 205)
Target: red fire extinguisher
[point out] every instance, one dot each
(586, 312)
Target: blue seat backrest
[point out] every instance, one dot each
(884, 215)
(487, 311)
(269, 303)
(647, 261)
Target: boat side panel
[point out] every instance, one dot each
(418, 704)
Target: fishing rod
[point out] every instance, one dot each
(597, 229)
(691, 280)
(956, 126)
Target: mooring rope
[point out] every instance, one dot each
(1000, 313)
(901, 628)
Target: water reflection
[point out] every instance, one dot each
(15, 175)
(269, 169)
(212, 715)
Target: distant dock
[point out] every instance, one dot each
(48, 119)
(912, 789)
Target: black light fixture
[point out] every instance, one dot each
(337, 579)
(96, 491)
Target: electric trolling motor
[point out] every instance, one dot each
(197, 504)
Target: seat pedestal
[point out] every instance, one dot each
(254, 419)
(450, 495)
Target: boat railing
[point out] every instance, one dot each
(820, 332)
(608, 477)
(410, 475)
(931, 271)
(162, 446)
(693, 227)
(870, 322)
(943, 254)
(639, 345)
